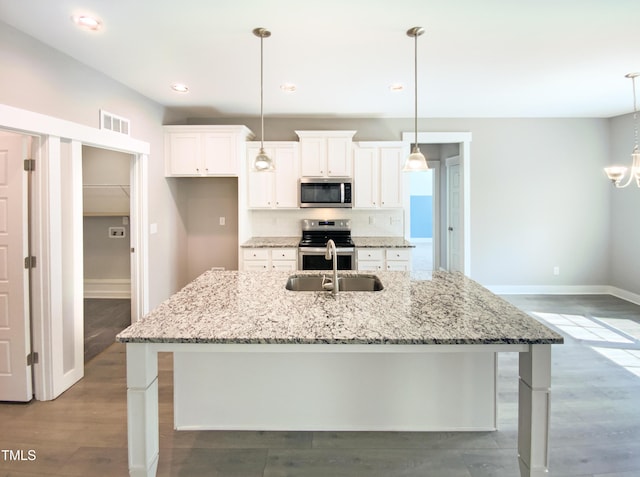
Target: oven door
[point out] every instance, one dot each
(313, 259)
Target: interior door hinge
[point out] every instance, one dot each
(30, 262)
(29, 165)
(32, 358)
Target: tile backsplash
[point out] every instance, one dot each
(364, 223)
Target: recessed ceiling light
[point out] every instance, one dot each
(395, 87)
(87, 22)
(180, 88)
(288, 87)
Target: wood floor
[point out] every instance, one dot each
(103, 320)
(595, 424)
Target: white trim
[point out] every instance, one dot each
(36, 123)
(564, 290)
(48, 233)
(624, 294)
(107, 288)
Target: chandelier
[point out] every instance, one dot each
(617, 173)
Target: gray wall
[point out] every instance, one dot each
(203, 201)
(105, 257)
(625, 212)
(538, 198)
(41, 79)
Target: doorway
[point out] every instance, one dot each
(423, 226)
(106, 247)
(57, 236)
(443, 146)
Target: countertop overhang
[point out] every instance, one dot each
(243, 307)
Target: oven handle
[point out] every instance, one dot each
(322, 250)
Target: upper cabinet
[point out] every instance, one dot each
(279, 188)
(204, 150)
(378, 174)
(325, 153)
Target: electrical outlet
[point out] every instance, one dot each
(117, 232)
(556, 270)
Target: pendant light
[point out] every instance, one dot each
(262, 162)
(616, 173)
(416, 161)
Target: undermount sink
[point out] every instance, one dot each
(369, 283)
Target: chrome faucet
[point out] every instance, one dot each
(331, 253)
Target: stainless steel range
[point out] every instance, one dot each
(312, 247)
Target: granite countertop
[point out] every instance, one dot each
(363, 242)
(271, 242)
(381, 242)
(254, 307)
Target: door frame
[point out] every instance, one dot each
(47, 237)
(464, 141)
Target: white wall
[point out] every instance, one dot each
(38, 78)
(625, 212)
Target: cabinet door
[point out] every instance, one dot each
(338, 157)
(370, 266)
(286, 176)
(313, 152)
(287, 265)
(391, 177)
(219, 152)
(399, 266)
(260, 184)
(256, 265)
(184, 152)
(365, 177)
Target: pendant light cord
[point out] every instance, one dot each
(261, 94)
(415, 84)
(635, 114)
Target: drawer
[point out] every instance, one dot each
(399, 254)
(284, 254)
(255, 254)
(370, 254)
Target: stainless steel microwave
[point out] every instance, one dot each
(331, 192)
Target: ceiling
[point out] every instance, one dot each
(490, 58)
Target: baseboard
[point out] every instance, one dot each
(625, 295)
(565, 290)
(107, 288)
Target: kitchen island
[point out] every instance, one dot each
(417, 355)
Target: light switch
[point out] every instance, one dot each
(223, 220)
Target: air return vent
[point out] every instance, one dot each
(114, 123)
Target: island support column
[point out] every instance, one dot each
(534, 411)
(142, 409)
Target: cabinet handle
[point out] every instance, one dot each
(197, 169)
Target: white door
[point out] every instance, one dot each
(15, 374)
(454, 217)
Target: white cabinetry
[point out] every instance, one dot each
(378, 175)
(194, 151)
(391, 259)
(398, 259)
(279, 188)
(370, 259)
(263, 259)
(325, 153)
